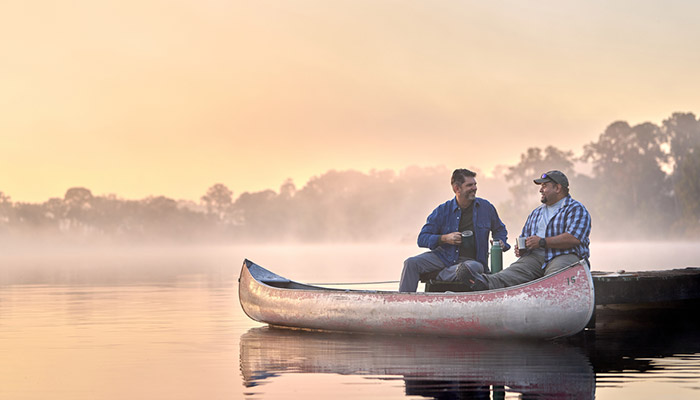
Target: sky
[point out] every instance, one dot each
(168, 97)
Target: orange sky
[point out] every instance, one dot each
(168, 97)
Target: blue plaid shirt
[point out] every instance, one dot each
(571, 218)
(445, 219)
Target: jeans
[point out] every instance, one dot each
(415, 266)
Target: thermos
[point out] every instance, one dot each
(496, 257)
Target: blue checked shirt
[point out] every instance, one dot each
(445, 219)
(571, 218)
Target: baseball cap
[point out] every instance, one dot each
(553, 176)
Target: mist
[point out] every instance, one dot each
(638, 182)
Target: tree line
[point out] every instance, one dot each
(640, 181)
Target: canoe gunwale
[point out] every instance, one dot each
(256, 273)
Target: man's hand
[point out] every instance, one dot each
(454, 238)
(499, 242)
(532, 242)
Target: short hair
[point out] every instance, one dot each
(460, 174)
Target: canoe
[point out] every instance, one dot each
(557, 305)
(451, 367)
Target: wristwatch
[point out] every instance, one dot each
(543, 243)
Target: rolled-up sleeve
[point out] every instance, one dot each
(578, 222)
(498, 229)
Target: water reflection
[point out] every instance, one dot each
(639, 341)
(430, 367)
(659, 346)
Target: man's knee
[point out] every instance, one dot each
(411, 264)
(560, 262)
(425, 261)
(475, 265)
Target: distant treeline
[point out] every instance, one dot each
(641, 181)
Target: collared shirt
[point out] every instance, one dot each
(573, 218)
(445, 219)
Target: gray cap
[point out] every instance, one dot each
(553, 176)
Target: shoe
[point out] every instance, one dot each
(472, 275)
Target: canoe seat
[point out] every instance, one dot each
(428, 276)
(434, 285)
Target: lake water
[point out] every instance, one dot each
(165, 323)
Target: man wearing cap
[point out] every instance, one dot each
(456, 232)
(556, 235)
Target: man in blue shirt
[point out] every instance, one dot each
(556, 235)
(456, 232)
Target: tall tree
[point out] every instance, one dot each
(78, 202)
(632, 190)
(218, 201)
(682, 130)
(5, 209)
(683, 133)
(288, 189)
(257, 214)
(687, 189)
(534, 162)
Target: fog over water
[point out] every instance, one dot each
(26, 263)
(164, 321)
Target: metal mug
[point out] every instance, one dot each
(521, 243)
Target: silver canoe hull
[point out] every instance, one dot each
(560, 304)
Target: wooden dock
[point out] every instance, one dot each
(646, 288)
(635, 301)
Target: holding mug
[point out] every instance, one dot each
(521, 243)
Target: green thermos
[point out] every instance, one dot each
(496, 257)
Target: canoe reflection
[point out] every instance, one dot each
(431, 367)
